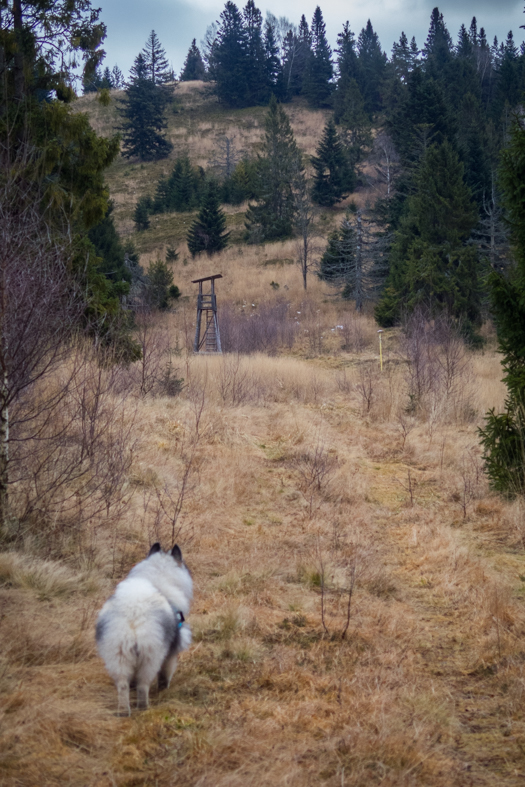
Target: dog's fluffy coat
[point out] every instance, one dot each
(141, 629)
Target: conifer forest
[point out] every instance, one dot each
(338, 451)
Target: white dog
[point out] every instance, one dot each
(141, 628)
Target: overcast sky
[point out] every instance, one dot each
(177, 22)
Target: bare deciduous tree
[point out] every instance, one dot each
(307, 243)
(226, 157)
(386, 161)
(40, 309)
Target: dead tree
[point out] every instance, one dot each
(386, 161)
(226, 157)
(307, 243)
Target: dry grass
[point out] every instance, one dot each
(313, 481)
(296, 482)
(195, 122)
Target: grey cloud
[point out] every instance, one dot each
(176, 24)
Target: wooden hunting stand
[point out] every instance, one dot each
(207, 303)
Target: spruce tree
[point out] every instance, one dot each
(143, 110)
(193, 65)
(272, 64)
(278, 171)
(372, 68)
(160, 287)
(117, 78)
(207, 233)
(431, 262)
(347, 64)
(107, 79)
(334, 178)
(141, 214)
(420, 115)
(230, 59)
(111, 254)
(509, 85)
(296, 54)
(156, 62)
(438, 47)
(256, 75)
(403, 57)
(353, 260)
(503, 436)
(339, 255)
(182, 186)
(350, 114)
(92, 82)
(349, 110)
(317, 85)
(464, 48)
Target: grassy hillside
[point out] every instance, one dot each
(320, 496)
(195, 122)
(427, 686)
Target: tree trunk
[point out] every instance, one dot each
(4, 415)
(4, 456)
(18, 58)
(359, 264)
(3, 93)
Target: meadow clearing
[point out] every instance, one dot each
(359, 592)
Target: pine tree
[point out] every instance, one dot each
(230, 59)
(143, 110)
(503, 436)
(334, 178)
(156, 62)
(431, 261)
(193, 65)
(317, 85)
(278, 170)
(207, 233)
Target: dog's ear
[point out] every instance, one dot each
(176, 553)
(154, 549)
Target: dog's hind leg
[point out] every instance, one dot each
(123, 697)
(142, 696)
(167, 670)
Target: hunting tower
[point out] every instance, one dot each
(210, 341)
